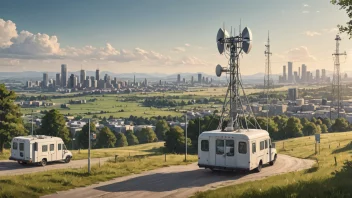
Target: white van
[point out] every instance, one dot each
(39, 149)
(245, 149)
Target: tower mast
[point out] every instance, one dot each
(267, 79)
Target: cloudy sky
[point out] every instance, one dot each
(165, 36)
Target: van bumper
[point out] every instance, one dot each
(222, 167)
(21, 160)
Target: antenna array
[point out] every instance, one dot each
(268, 82)
(234, 105)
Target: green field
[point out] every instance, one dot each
(325, 179)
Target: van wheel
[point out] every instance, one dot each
(43, 162)
(68, 159)
(259, 168)
(19, 162)
(273, 162)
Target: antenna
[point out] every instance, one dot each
(267, 79)
(336, 82)
(236, 113)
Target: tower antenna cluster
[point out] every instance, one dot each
(236, 108)
(336, 81)
(268, 82)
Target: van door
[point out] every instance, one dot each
(203, 152)
(44, 152)
(230, 153)
(242, 154)
(52, 153)
(59, 153)
(21, 150)
(220, 156)
(267, 150)
(253, 155)
(262, 154)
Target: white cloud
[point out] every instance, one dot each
(305, 5)
(318, 11)
(331, 30)
(305, 12)
(312, 33)
(7, 31)
(300, 54)
(187, 45)
(179, 49)
(191, 60)
(9, 62)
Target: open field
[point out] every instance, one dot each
(38, 184)
(325, 179)
(140, 149)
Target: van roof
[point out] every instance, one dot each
(38, 137)
(243, 133)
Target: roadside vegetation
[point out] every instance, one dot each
(325, 179)
(31, 185)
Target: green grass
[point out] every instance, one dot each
(141, 149)
(325, 179)
(38, 184)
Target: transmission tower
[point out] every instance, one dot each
(336, 81)
(267, 80)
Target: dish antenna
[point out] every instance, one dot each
(233, 46)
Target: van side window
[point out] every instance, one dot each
(219, 147)
(242, 147)
(262, 145)
(254, 147)
(204, 145)
(44, 148)
(14, 146)
(21, 146)
(35, 147)
(266, 144)
(231, 145)
(52, 147)
(59, 147)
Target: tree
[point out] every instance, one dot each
(11, 123)
(273, 126)
(161, 128)
(310, 129)
(106, 138)
(340, 125)
(327, 122)
(304, 121)
(318, 122)
(131, 138)
(293, 128)
(146, 135)
(121, 140)
(175, 140)
(54, 124)
(83, 135)
(324, 128)
(346, 5)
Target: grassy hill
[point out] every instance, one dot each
(325, 179)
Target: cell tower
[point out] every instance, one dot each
(336, 81)
(233, 107)
(268, 83)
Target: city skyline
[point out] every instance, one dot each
(303, 33)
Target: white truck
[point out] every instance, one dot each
(244, 149)
(39, 149)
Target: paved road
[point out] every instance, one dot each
(13, 168)
(179, 181)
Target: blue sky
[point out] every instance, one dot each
(164, 36)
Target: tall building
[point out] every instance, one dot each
(45, 80)
(292, 94)
(199, 78)
(29, 84)
(295, 75)
(299, 73)
(192, 79)
(82, 76)
(323, 74)
(178, 78)
(304, 73)
(71, 81)
(97, 75)
(134, 80)
(58, 79)
(75, 81)
(146, 82)
(284, 75)
(64, 75)
(184, 80)
(290, 74)
(317, 75)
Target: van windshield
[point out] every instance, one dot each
(64, 147)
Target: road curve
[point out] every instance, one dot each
(8, 167)
(179, 181)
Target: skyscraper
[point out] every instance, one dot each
(292, 94)
(284, 76)
(45, 80)
(82, 76)
(64, 75)
(178, 78)
(58, 79)
(97, 75)
(71, 81)
(290, 74)
(299, 73)
(199, 78)
(304, 73)
(323, 74)
(192, 79)
(317, 75)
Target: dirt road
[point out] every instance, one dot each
(13, 168)
(179, 181)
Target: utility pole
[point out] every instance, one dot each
(32, 123)
(267, 80)
(336, 84)
(186, 139)
(89, 146)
